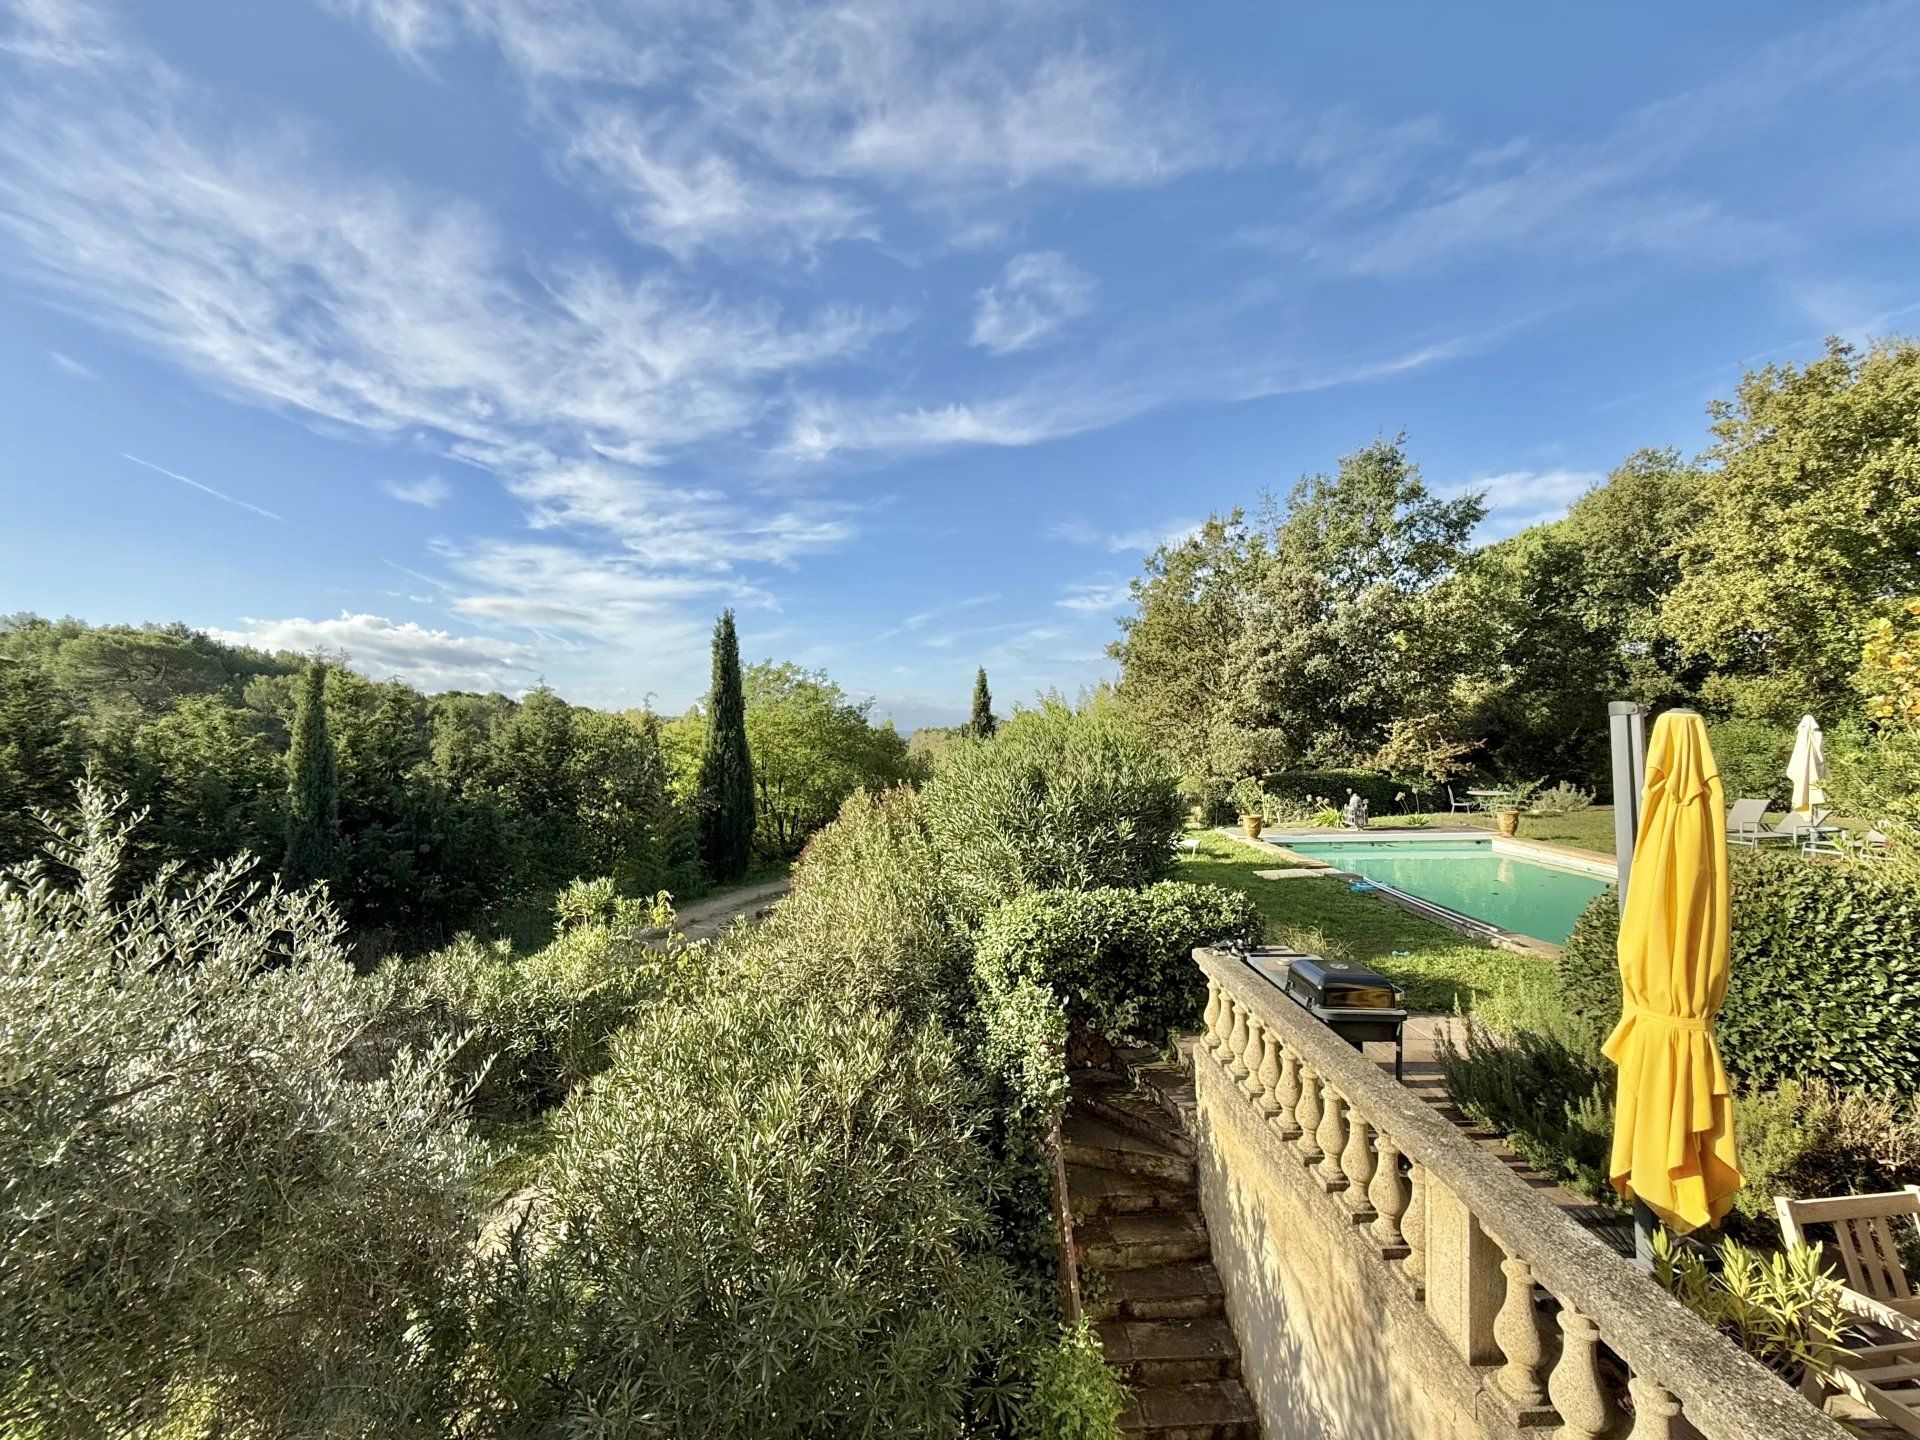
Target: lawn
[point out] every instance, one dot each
(1441, 970)
(1589, 829)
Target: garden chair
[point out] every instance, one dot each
(1881, 1369)
(1744, 818)
(1800, 831)
(1455, 804)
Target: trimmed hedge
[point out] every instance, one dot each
(1825, 975)
(1377, 789)
(1120, 960)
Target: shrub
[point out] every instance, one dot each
(872, 907)
(1825, 978)
(1563, 799)
(1783, 1308)
(769, 1218)
(215, 1199)
(1809, 1139)
(528, 1029)
(1057, 800)
(1076, 1395)
(1554, 1104)
(1120, 960)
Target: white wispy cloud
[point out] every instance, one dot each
(71, 366)
(920, 619)
(1516, 499)
(1095, 597)
(204, 488)
(383, 649)
(429, 491)
(1079, 531)
(1036, 294)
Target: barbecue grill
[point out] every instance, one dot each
(1361, 1006)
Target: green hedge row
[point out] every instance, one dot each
(1825, 975)
(1382, 792)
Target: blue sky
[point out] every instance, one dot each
(499, 340)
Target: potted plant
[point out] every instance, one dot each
(1513, 802)
(1251, 801)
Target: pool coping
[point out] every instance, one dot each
(1565, 857)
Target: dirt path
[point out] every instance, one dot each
(707, 918)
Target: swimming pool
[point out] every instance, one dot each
(1524, 896)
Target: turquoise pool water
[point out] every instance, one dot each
(1465, 875)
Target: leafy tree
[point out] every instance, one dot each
(313, 786)
(1811, 524)
(40, 755)
(725, 801)
(213, 781)
(981, 725)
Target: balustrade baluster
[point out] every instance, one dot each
(1357, 1161)
(1575, 1383)
(1333, 1140)
(1237, 1044)
(1253, 1058)
(1656, 1413)
(1389, 1193)
(1517, 1330)
(1308, 1143)
(1289, 1092)
(1413, 1225)
(1267, 1091)
(1212, 1018)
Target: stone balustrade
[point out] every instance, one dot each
(1389, 1277)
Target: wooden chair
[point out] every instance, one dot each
(1883, 1373)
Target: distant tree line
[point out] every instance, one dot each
(428, 814)
(1358, 625)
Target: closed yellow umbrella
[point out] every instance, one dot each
(1673, 1144)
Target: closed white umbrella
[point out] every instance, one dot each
(1807, 767)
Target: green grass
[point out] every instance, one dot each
(1441, 970)
(1589, 829)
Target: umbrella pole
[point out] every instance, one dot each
(1627, 730)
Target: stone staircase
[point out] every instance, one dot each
(1145, 1262)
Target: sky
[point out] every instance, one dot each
(494, 342)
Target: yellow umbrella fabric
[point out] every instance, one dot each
(1673, 1143)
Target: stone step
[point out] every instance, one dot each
(1207, 1410)
(1164, 1292)
(1137, 1113)
(1137, 1242)
(1092, 1191)
(1087, 1140)
(1170, 1086)
(1154, 1353)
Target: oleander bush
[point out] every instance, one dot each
(528, 1029)
(217, 1198)
(769, 1217)
(1121, 961)
(1825, 978)
(871, 899)
(1058, 799)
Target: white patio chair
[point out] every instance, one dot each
(1455, 804)
(1744, 820)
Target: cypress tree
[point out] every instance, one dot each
(725, 796)
(313, 786)
(982, 724)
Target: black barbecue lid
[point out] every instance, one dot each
(1322, 973)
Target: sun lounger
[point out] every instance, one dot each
(1744, 819)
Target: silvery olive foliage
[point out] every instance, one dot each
(219, 1212)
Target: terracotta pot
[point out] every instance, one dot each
(1251, 824)
(1507, 822)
